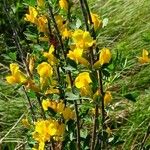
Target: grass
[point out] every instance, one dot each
(127, 32)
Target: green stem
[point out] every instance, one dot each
(84, 14)
(30, 104)
(41, 107)
(57, 30)
(100, 82)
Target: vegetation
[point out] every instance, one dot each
(125, 32)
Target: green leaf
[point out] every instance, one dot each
(12, 55)
(132, 97)
(29, 2)
(106, 73)
(72, 63)
(31, 94)
(71, 96)
(30, 36)
(72, 145)
(78, 23)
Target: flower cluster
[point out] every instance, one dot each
(45, 130)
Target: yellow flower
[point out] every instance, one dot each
(68, 113)
(40, 134)
(52, 127)
(107, 98)
(40, 3)
(60, 130)
(104, 58)
(42, 23)
(60, 107)
(62, 26)
(16, 75)
(61, 23)
(41, 146)
(82, 39)
(25, 123)
(82, 80)
(96, 21)
(49, 104)
(45, 129)
(53, 105)
(34, 149)
(66, 33)
(75, 54)
(144, 58)
(86, 91)
(52, 91)
(31, 17)
(51, 58)
(63, 4)
(45, 104)
(45, 70)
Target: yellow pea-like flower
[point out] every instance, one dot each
(82, 80)
(96, 21)
(63, 4)
(32, 16)
(46, 104)
(50, 56)
(61, 129)
(75, 54)
(66, 33)
(82, 39)
(104, 58)
(61, 22)
(60, 107)
(16, 75)
(144, 58)
(68, 113)
(52, 91)
(107, 98)
(45, 70)
(42, 24)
